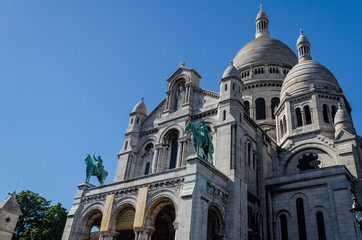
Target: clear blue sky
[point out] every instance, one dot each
(72, 71)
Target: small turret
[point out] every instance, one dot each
(230, 91)
(230, 84)
(303, 46)
(138, 114)
(261, 23)
(342, 122)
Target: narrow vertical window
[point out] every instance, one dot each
(334, 110)
(301, 219)
(260, 109)
(126, 145)
(174, 148)
(281, 128)
(226, 87)
(247, 107)
(131, 121)
(320, 225)
(325, 113)
(147, 169)
(224, 115)
(298, 115)
(274, 103)
(308, 117)
(284, 227)
(233, 86)
(137, 120)
(239, 117)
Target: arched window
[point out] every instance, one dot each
(260, 108)
(325, 113)
(148, 156)
(147, 169)
(283, 227)
(334, 110)
(174, 148)
(298, 115)
(281, 128)
(274, 103)
(301, 219)
(320, 225)
(247, 107)
(308, 117)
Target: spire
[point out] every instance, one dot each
(261, 23)
(303, 47)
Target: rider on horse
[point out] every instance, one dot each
(204, 131)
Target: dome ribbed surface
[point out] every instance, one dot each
(231, 71)
(306, 74)
(265, 50)
(140, 108)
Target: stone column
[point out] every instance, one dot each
(180, 151)
(156, 158)
(303, 116)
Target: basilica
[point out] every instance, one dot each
(286, 159)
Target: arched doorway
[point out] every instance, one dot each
(164, 229)
(215, 224)
(124, 223)
(91, 225)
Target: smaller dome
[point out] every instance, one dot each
(341, 116)
(231, 71)
(306, 75)
(261, 14)
(302, 39)
(140, 108)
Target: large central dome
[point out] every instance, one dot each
(264, 50)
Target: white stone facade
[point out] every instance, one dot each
(286, 163)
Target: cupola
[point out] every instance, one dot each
(140, 107)
(303, 47)
(261, 23)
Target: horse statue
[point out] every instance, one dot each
(95, 169)
(201, 139)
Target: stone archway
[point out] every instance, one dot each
(122, 222)
(164, 229)
(215, 224)
(91, 224)
(160, 218)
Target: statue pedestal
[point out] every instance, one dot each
(85, 185)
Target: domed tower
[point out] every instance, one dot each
(137, 115)
(313, 112)
(230, 101)
(263, 64)
(128, 153)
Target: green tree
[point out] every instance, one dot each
(39, 220)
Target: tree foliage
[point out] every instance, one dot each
(39, 220)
